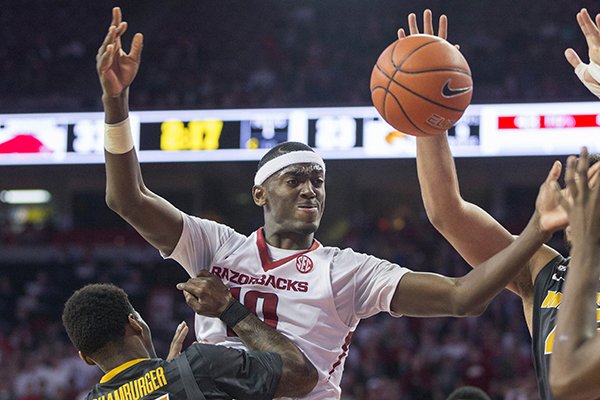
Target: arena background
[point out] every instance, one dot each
(229, 54)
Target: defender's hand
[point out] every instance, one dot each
(177, 342)
(427, 25)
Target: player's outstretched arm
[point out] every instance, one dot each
(207, 295)
(589, 74)
(575, 358)
(426, 294)
(159, 222)
(472, 231)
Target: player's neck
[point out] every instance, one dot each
(289, 241)
(114, 358)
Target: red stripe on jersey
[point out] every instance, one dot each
(263, 252)
(345, 347)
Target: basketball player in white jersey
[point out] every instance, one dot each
(314, 294)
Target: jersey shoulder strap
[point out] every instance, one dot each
(187, 378)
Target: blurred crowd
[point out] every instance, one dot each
(274, 53)
(389, 358)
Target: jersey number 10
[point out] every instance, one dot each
(263, 305)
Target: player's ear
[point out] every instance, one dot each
(86, 359)
(259, 195)
(134, 324)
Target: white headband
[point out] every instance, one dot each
(282, 161)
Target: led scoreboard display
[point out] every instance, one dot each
(336, 132)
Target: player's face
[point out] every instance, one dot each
(295, 199)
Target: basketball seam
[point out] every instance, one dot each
(409, 54)
(401, 109)
(460, 71)
(387, 89)
(391, 79)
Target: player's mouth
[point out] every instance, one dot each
(310, 208)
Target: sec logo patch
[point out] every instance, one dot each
(304, 264)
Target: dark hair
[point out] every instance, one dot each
(281, 149)
(95, 316)
(468, 393)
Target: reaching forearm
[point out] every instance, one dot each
(573, 372)
(159, 222)
(474, 233)
(576, 320)
(437, 177)
(483, 283)
(123, 176)
(298, 376)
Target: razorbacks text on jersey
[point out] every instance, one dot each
(316, 297)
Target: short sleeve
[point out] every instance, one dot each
(200, 239)
(251, 375)
(363, 285)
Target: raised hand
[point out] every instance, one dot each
(548, 205)
(551, 197)
(427, 25)
(583, 202)
(206, 294)
(177, 342)
(116, 68)
(588, 74)
(592, 37)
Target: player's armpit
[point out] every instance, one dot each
(540, 259)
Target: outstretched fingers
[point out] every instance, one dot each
(443, 27)
(552, 182)
(108, 39)
(589, 28)
(117, 16)
(137, 44)
(427, 22)
(583, 165)
(413, 26)
(572, 57)
(106, 53)
(570, 172)
(401, 33)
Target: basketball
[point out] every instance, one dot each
(421, 85)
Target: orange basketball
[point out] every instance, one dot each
(421, 85)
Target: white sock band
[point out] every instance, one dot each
(294, 157)
(118, 138)
(593, 70)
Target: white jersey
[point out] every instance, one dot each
(315, 297)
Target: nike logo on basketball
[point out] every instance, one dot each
(447, 91)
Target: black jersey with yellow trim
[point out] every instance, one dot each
(221, 373)
(548, 288)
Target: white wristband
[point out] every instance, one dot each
(118, 138)
(594, 70)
